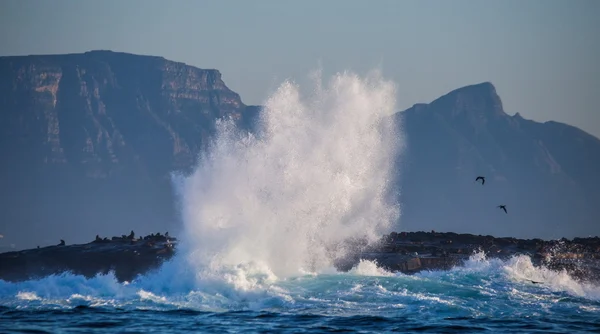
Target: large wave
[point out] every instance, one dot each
(315, 174)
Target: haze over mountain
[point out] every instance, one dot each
(89, 141)
(545, 173)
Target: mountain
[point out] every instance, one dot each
(545, 173)
(88, 141)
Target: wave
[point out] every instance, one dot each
(252, 287)
(316, 173)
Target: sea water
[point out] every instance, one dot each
(264, 217)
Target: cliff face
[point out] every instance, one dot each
(88, 141)
(546, 173)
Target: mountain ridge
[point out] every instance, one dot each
(470, 135)
(93, 137)
(90, 140)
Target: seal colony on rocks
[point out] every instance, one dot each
(126, 256)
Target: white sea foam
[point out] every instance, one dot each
(316, 173)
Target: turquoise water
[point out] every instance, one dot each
(484, 295)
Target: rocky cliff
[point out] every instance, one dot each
(88, 141)
(546, 173)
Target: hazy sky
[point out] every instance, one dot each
(542, 55)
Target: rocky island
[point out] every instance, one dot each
(406, 252)
(126, 256)
(412, 252)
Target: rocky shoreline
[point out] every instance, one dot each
(406, 252)
(411, 252)
(126, 256)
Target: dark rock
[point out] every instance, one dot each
(128, 258)
(440, 251)
(125, 257)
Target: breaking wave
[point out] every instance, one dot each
(480, 287)
(316, 173)
(265, 214)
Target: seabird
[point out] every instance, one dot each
(503, 207)
(482, 178)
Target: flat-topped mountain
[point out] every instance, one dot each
(88, 141)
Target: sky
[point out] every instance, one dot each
(541, 55)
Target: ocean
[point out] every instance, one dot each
(263, 217)
(484, 295)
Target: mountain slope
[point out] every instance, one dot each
(88, 141)
(544, 173)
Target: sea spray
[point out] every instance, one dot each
(486, 293)
(316, 173)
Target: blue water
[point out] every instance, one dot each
(484, 295)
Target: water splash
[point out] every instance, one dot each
(316, 173)
(369, 268)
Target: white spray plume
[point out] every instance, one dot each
(317, 173)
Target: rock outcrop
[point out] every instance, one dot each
(412, 252)
(125, 256)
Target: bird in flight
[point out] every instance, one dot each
(482, 178)
(503, 207)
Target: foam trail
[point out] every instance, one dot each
(317, 173)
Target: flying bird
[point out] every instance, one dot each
(482, 178)
(503, 207)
